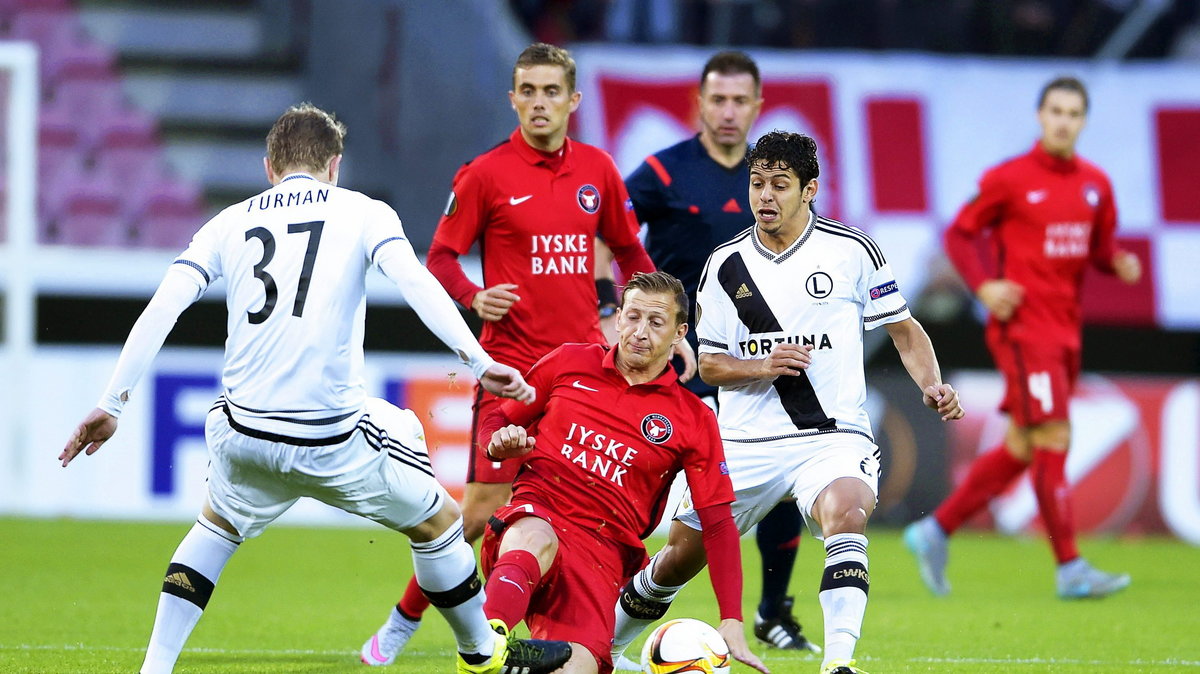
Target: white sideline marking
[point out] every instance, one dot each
(1168, 662)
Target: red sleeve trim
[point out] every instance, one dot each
(659, 169)
(720, 538)
(443, 263)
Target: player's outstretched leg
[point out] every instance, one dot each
(445, 568)
(778, 537)
(187, 587)
(1077, 579)
(642, 602)
(928, 543)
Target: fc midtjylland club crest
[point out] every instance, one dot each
(656, 428)
(589, 198)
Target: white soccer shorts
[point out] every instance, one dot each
(764, 473)
(381, 472)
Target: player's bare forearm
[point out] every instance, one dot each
(916, 352)
(719, 369)
(785, 360)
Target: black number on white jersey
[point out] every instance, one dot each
(260, 273)
(313, 229)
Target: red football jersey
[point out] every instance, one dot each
(535, 218)
(606, 452)
(1049, 217)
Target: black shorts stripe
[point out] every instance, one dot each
(474, 443)
(286, 439)
(806, 434)
(796, 394)
(1023, 384)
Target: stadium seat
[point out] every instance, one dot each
(169, 214)
(58, 141)
(82, 207)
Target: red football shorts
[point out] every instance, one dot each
(1039, 379)
(575, 599)
(481, 468)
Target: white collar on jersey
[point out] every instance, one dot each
(787, 252)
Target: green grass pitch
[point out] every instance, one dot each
(80, 597)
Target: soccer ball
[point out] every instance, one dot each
(685, 645)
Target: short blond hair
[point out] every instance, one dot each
(661, 283)
(304, 137)
(542, 54)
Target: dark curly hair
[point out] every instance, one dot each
(785, 150)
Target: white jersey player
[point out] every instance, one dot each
(781, 312)
(294, 419)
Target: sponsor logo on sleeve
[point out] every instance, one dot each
(885, 289)
(451, 205)
(724, 468)
(656, 428)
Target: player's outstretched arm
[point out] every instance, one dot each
(916, 352)
(176, 292)
(95, 429)
(428, 298)
(506, 382)
(734, 633)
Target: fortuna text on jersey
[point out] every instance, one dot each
(761, 346)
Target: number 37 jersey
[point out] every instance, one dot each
(822, 290)
(295, 259)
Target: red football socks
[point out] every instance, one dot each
(510, 587)
(989, 476)
(1054, 502)
(414, 602)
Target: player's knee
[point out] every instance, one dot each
(582, 661)
(677, 564)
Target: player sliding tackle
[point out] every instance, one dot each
(613, 427)
(789, 361)
(294, 419)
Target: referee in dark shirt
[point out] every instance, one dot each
(692, 197)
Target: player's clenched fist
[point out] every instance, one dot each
(786, 359)
(944, 399)
(510, 442)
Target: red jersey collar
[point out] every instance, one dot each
(1052, 162)
(667, 377)
(535, 156)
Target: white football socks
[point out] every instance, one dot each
(445, 570)
(190, 578)
(843, 596)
